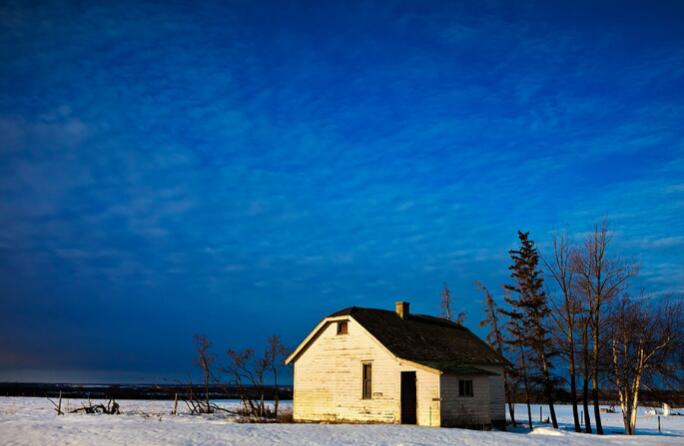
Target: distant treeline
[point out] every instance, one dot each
(169, 391)
(135, 391)
(650, 398)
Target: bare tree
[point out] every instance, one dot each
(446, 303)
(567, 311)
(495, 339)
(601, 278)
(249, 373)
(205, 361)
(643, 343)
(276, 354)
(244, 373)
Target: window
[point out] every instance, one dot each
(367, 381)
(342, 328)
(465, 387)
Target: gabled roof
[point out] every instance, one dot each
(431, 341)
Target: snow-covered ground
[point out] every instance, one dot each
(32, 421)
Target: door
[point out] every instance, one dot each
(408, 397)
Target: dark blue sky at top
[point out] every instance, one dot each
(244, 168)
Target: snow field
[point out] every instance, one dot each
(32, 421)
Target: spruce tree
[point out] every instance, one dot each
(517, 340)
(529, 302)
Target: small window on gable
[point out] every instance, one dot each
(342, 327)
(465, 387)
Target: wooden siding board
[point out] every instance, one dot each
(461, 411)
(497, 394)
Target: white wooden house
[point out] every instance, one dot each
(379, 366)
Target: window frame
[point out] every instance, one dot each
(466, 388)
(367, 380)
(342, 327)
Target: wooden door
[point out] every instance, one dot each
(408, 397)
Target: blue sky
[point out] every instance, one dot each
(244, 168)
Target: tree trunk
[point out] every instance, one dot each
(573, 386)
(262, 405)
(509, 397)
(585, 406)
(597, 411)
(623, 395)
(632, 422)
(276, 396)
(635, 400)
(594, 388)
(548, 392)
(552, 411)
(573, 395)
(585, 384)
(206, 393)
(626, 419)
(527, 391)
(628, 409)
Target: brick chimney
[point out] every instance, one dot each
(402, 309)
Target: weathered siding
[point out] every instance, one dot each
(428, 391)
(497, 395)
(463, 411)
(328, 381)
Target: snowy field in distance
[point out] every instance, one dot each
(32, 421)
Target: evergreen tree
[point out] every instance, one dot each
(517, 340)
(530, 304)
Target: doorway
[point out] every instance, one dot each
(408, 397)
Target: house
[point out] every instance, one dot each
(377, 366)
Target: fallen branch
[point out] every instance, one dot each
(112, 408)
(58, 406)
(199, 407)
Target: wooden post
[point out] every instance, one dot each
(175, 404)
(658, 423)
(582, 418)
(59, 407)
(540, 414)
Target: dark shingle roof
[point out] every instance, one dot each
(432, 341)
